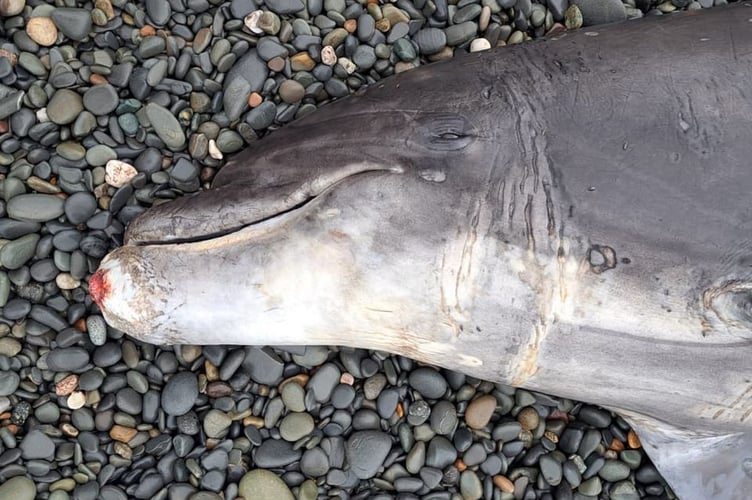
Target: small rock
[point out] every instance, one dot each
(42, 30)
(261, 483)
(118, 173)
(480, 411)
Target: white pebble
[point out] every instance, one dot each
(479, 44)
(76, 400)
(347, 64)
(118, 173)
(65, 281)
(42, 115)
(251, 22)
(214, 151)
(97, 329)
(328, 56)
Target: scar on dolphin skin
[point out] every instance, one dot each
(601, 258)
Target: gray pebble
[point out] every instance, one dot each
(72, 22)
(366, 451)
(35, 207)
(180, 393)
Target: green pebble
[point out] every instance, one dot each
(614, 470)
(16, 253)
(624, 490)
(261, 483)
(35, 207)
(4, 288)
(64, 107)
(19, 488)
(296, 426)
(229, 141)
(71, 151)
(129, 123)
(592, 487)
(99, 155)
(166, 126)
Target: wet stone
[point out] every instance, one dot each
(366, 451)
(180, 393)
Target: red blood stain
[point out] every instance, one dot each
(99, 287)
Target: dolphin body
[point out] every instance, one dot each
(569, 216)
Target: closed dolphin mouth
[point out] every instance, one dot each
(218, 212)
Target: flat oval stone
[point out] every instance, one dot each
(73, 22)
(67, 359)
(79, 207)
(65, 106)
(428, 382)
(296, 426)
(101, 99)
(17, 252)
(261, 483)
(180, 393)
(366, 451)
(18, 488)
(166, 126)
(35, 207)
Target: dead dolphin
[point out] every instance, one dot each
(569, 216)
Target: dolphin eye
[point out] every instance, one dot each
(443, 132)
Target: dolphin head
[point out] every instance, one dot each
(358, 225)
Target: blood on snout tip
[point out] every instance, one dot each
(99, 287)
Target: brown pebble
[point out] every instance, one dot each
(66, 385)
(551, 436)
(633, 440)
(255, 99)
(383, 25)
(106, 7)
(218, 389)
(122, 433)
(351, 25)
(301, 379)
(347, 378)
(96, 79)
(302, 62)
(68, 430)
(207, 174)
(461, 466)
(400, 411)
(479, 411)
(148, 31)
(4, 126)
(212, 372)
(257, 422)
(276, 64)
(528, 418)
(291, 91)
(616, 445)
(42, 30)
(80, 325)
(503, 483)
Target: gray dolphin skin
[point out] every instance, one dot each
(570, 216)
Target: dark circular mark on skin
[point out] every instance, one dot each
(601, 258)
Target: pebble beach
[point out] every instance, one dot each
(108, 107)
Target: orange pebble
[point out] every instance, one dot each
(255, 99)
(148, 31)
(351, 25)
(503, 483)
(633, 440)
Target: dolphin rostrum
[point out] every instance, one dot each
(569, 216)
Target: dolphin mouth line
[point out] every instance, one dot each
(295, 203)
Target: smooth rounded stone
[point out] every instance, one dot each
(596, 417)
(9, 8)
(428, 382)
(570, 439)
(387, 402)
(614, 470)
(71, 151)
(314, 463)
(291, 91)
(295, 426)
(404, 49)
(64, 107)
(37, 445)
(364, 57)
(590, 442)
(129, 401)
(158, 11)
(101, 99)
(441, 453)
(475, 455)
(72, 22)
(601, 11)
(551, 469)
(107, 355)
(16, 253)
(67, 359)
(418, 412)
(374, 385)
(261, 483)
(323, 382)
(274, 453)
(470, 486)
(480, 411)
(79, 207)
(416, 458)
(591, 487)
(19, 487)
(180, 393)
(342, 396)
(47, 413)
(216, 423)
(444, 418)
(9, 382)
(624, 490)
(293, 396)
(166, 126)
(430, 40)
(457, 34)
(247, 75)
(467, 13)
(366, 452)
(229, 141)
(9, 347)
(633, 458)
(263, 365)
(35, 207)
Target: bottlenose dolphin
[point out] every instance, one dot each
(570, 216)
